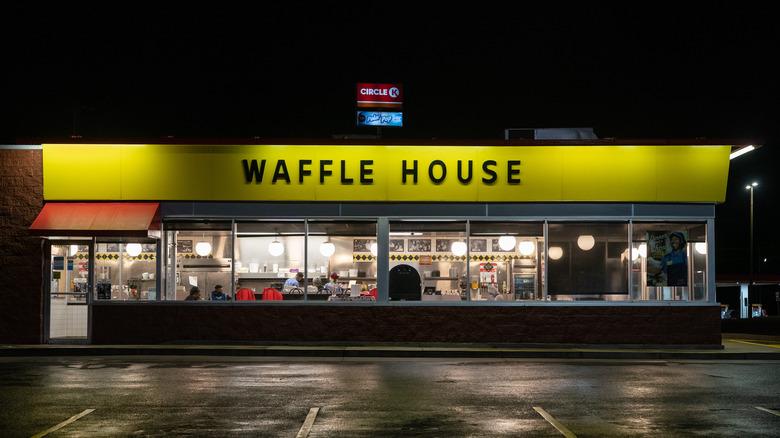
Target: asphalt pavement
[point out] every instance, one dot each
(733, 347)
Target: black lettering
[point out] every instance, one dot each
(443, 166)
(405, 171)
(281, 172)
(511, 170)
(467, 179)
(344, 179)
(252, 172)
(302, 171)
(323, 172)
(489, 171)
(365, 171)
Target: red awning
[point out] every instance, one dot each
(130, 219)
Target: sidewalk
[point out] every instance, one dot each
(734, 347)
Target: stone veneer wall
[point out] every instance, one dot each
(156, 323)
(21, 258)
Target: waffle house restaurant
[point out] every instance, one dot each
(596, 241)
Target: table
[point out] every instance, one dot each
(366, 298)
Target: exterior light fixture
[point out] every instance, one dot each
(586, 242)
(555, 252)
(507, 243)
(741, 151)
(327, 248)
(133, 249)
(458, 248)
(276, 248)
(203, 248)
(526, 247)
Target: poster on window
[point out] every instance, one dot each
(667, 258)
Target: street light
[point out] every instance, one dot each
(750, 283)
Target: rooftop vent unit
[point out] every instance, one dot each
(549, 134)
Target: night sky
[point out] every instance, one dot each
(628, 70)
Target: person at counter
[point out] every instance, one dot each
(294, 281)
(218, 295)
(194, 294)
(333, 287)
(674, 265)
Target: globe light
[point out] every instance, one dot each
(555, 252)
(133, 249)
(701, 247)
(642, 250)
(73, 250)
(527, 247)
(276, 248)
(507, 243)
(586, 242)
(327, 248)
(203, 248)
(458, 248)
(634, 254)
(373, 249)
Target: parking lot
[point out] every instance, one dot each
(338, 397)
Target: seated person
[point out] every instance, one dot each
(194, 294)
(294, 282)
(218, 295)
(333, 287)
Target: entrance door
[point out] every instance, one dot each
(67, 310)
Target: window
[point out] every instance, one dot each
(588, 261)
(199, 257)
(126, 270)
(342, 260)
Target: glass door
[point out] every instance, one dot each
(69, 281)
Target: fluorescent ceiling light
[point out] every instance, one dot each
(741, 151)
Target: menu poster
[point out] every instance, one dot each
(184, 246)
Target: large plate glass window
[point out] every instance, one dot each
(428, 260)
(588, 261)
(669, 262)
(199, 258)
(270, 262)
(506, 261)
(342, 260)
(126, 270)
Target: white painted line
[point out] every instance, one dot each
(771, 411)
(561, 428)
(64, 423)
(306, 428)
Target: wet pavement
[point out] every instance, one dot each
(345, 395)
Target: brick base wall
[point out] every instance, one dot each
(154, 324)
(21, 258)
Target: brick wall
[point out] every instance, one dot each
(661, 325)
(21, 259)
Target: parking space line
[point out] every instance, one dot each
(771, 411)
(757, 343)
(64, 423)
(308, 423)
(556, 424)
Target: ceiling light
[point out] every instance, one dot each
(555, 252)
(133, 249)
(507, 243)
(586, 242)
(373, 249)
(458, 248)
(701, 247)
(327, 248)
(276, 248)
(527, 247)
(203, 249)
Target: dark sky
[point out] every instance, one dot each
(629, 70)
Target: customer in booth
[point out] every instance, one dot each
(218, 295)
(674, 265)
(194, 294)
(333, 287)
(294, 281)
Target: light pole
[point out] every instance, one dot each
(750, 283)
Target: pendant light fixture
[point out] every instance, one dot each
(203, 248)
(586, 242)
(555, 252)
(327, 248)
(133, 249)
(276, 248)
(507, 243)
(527, 247)
(458, 248)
